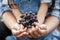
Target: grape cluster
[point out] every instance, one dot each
(28, 19)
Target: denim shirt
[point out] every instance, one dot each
(33, 5)
(24, 5)
(56, 10)
(28, 5)
(4, 6)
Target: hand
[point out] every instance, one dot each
(39, 31)
(33, 32)
(19, 31)
(18, 20)
(42, 28)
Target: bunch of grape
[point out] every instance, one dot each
(27, 20)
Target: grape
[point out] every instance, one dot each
(28, 19)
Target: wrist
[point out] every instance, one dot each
(41, 21)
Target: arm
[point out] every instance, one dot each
(9, 20)
(10, 23)
(6, 14)
(42, 12)
(51, 22)
(42, 30)
(16, 13)
(15, 9)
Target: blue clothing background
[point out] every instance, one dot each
(28, 5)
(55, 35)
(3, 6)
(32, 5)
(56, 10)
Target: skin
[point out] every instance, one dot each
(50, 24)
(11, 23)
(42, 12)
(41, 15)
(11, 18)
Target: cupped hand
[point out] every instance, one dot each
(38, 31)
(19, 31)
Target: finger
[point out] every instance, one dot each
(37, 24)
(31, 32)
(43, 32)
(15, 32)
(20, 31)
(32, 35)
(38, 31)
(29, 36)
(21, 26)
(25, 29)
(23, 35)
(43, 27)
(19, 19)
(16, 27)
(35, 32)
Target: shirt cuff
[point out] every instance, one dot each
(56, 14)
(4, 9)
(46, 1)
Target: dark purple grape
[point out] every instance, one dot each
(22, 16)
(28, 20)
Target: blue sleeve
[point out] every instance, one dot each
(56, 13)
(4, 6)
(46, 1)
(56, 10)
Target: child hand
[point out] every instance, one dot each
(33, 32)
(19, 31)
(39, 31)
(18, 20)
(42, 28)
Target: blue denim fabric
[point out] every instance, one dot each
(55, 35)
(56, 10)
(3, 6)
(28, 5)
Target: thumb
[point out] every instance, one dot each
(25, 29)
(16, 26)
(21, 26)
(18, 20)
(43, 26)
(37, 24)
